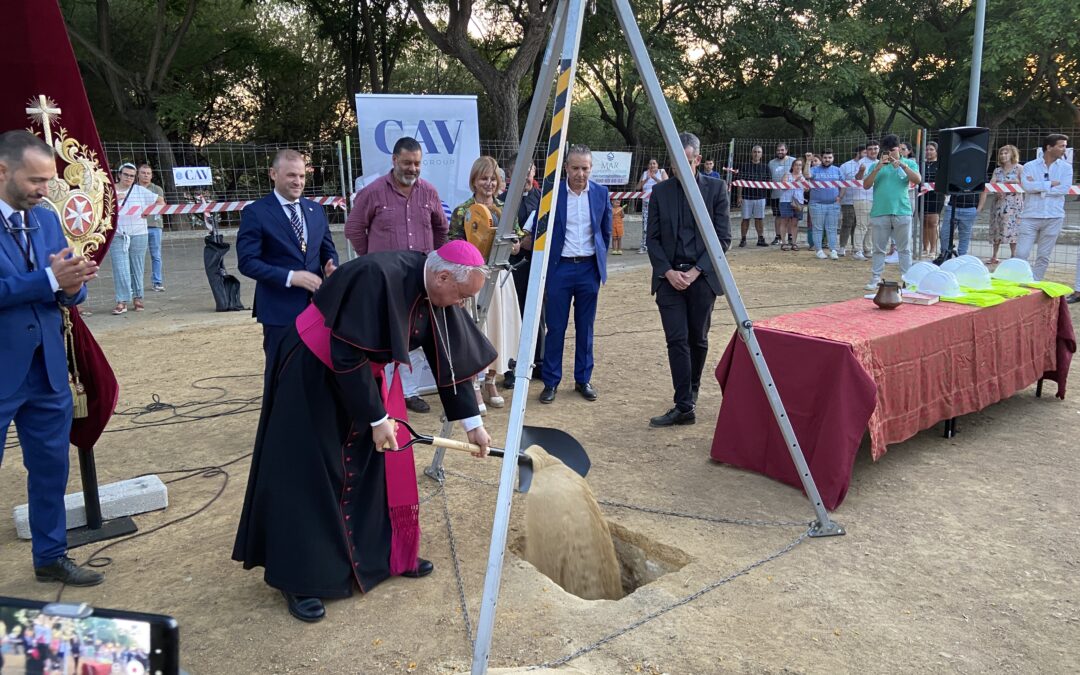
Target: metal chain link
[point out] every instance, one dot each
(664, 610)
(457, 566)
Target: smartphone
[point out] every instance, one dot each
(40, 637)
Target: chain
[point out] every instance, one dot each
(457, 565)
(664, 610)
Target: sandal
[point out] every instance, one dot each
(120, 308)
(491, 394)
(794, 247)
(785, 247)
(137, 302)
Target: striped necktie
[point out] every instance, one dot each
(297, 225)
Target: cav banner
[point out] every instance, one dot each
(445, 126)
(611, 168)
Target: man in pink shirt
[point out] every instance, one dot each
(400, 212)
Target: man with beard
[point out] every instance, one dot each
(331, 502)
(400, 212)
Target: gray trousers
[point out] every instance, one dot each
(1041, 233)
(884, 228)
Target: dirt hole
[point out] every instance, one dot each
(641, 560)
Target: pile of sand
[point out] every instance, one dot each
(566, 538)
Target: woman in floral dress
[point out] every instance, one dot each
(1005, 216)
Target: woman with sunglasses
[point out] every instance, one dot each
(128, 248)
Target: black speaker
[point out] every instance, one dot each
(962, 160)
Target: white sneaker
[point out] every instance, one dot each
(892, 258)
(821, 254)
(859, 255)
(843, 252)
(833, 256)
(872, 286)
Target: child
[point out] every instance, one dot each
(616, 228)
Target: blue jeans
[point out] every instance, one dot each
(154, 238)
(826, 217)
(128, 255)
(965, 223)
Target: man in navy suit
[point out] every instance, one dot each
(38, 275)
(284, 244)
(577, 266)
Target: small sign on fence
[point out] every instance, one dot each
(611, 168)
(185, 176)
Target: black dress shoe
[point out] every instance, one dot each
(66, 571)
(673, 417)
(586, 390)
(423, 568)
(548, 395)
(417, 404)
(1072, 299)
(305, 608)
(508, 380)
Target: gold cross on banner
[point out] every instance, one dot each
(43, 110)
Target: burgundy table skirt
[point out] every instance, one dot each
(845, 368)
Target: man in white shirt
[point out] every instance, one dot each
(1045, 181)
(778, 168)
(580, 235)
(863, 201)
(848, 221)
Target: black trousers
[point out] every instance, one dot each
(521, 285)
(686, 317)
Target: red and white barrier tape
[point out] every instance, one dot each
(1011, 188)
(212, 207)
(626, 195)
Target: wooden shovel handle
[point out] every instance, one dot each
(451, 444)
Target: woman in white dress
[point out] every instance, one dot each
(469, 221)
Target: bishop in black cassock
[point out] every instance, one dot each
(325, 508)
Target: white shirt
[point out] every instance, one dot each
(650, 181)
(858, 194)
(848, 170)
(6, 211)
(579, 232)
(137, 195)
(288, 215)
(1041, 200)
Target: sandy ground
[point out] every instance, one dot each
(961, 555)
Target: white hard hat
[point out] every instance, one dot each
(951, 264)
(940, 282)
(1014, 269)
(973, 275)
(916, 272)
(975, 259)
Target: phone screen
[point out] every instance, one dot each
(103, 642)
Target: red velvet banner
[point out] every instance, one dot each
(43, 92)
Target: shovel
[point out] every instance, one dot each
(555, 442)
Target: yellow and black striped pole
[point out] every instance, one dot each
(569, 28)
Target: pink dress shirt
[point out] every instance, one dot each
(383, 219)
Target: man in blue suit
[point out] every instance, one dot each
(38, 275)
(284, 244)
(577, 266)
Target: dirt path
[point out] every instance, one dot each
(962, 555)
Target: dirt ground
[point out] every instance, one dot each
(961, 555)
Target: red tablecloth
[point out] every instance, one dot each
(845, 367)
(95, 668)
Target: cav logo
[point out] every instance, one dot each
(611, 156)
(434, 136)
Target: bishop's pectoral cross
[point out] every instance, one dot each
(43, 110)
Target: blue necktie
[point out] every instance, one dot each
(20, 238)
(297, 225)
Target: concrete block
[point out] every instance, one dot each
(126, 498)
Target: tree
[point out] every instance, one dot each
(518, 26)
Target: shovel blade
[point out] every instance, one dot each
(559, 444)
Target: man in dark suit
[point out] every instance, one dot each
(38, 275)
(577, 266)
(684, 280)
(285, 245)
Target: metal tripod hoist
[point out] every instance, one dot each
(560, 64)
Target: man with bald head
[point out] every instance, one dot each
(284, 244)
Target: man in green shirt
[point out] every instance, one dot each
(890, 218)
(153, 227)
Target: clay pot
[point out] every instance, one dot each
(888, 295)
